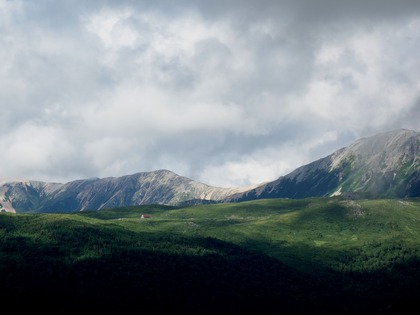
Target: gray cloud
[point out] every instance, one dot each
(225, 92)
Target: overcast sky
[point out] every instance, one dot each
(229, 93)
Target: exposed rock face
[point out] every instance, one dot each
(158, 187)
(385, 165)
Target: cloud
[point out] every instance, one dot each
(33, 150)
(225, 92)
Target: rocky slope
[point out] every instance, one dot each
(384, 165)
(158, 187)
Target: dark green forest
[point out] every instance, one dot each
(277, 256)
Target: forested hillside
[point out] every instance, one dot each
(331, 256)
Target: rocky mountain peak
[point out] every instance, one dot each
(383, 165)
(383, 152)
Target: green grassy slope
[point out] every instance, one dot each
(268, 256)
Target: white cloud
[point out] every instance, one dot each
(33, 149)
(266, 164)
(224, 93)
(109, 26)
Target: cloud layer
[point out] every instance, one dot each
(229, 93)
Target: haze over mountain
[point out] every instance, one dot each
(384, 165)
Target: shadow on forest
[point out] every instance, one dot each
(84, 268)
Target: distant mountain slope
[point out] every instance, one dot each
(157, 187)
(384, 165)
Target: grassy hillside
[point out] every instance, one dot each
(268, 256)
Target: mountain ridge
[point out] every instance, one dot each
(382, 165)
(155, 187)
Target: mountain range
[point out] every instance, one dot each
(385, 165)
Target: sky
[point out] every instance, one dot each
(229, 93)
